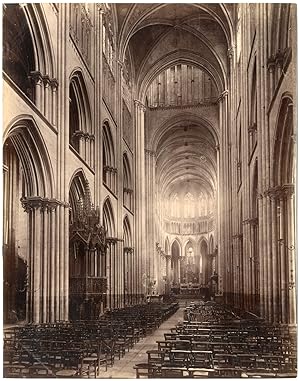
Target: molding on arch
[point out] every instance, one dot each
(203, 239)
(111, 215)
(108, 140)
(176, 239)
(180, 56)
(45, 57)
(78, 81)
(280, 129)
(77, 173)
(186, 241)
(193, 55)
(40, 155)
(127, 225)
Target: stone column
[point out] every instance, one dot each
(41, 233)
(224, 239)
(290, 245)
(151, 263)
(37, 79)
(54, 85)
(47, 97)
(283, 262)
(140, 192)
(98, 111)
(52, 268)
(275, 272)
(62, 189)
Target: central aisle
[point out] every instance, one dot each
(123, 368)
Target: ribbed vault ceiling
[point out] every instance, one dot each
(186, 153)
(159, 36)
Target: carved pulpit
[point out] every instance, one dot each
(88, 250)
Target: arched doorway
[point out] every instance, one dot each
(27, 238)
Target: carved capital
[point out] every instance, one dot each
(101, 8)
(128, 250)
(288, 190)
(280, 191)
(128, 190)
(79, 134)
(150, 152)
(45, 204)
(230, 51)
(46, 81)
(54, 84)
(140, 105)
(222, 96)
(237, 236)
(252, 128)
(36, 77)
(111, 241)
(250, 221)
(271, 63)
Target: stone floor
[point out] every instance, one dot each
(123, 368)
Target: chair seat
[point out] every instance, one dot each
(66, 373)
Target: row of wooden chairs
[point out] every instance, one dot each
(222, 348)
(77, 349)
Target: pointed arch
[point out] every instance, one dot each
(253, 110)
(80, 120)
(27, 47)
(19, 58)
(24, 135)
(79, 194)
(127, 236)
(211, 244)
(108, 218)
(108, 152)
(175, 264)
(127, 178)
(176, 241)
(108, 146)
(45, 57)
(28, 177)
(283, 151)
(189, 243)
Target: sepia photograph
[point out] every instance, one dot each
(149, 201)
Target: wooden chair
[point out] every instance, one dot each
(40, 371)
(201, 359)
(15, 371)
(200, 373)
(228, 372)
(171, 372)
(145, 370)
(179, 358)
